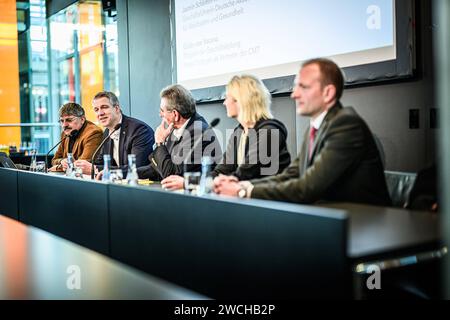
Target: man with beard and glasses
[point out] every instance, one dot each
(80, 136)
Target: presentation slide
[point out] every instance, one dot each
(216, 39)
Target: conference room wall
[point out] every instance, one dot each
(145, 68)
(384, 107)
(144, 56)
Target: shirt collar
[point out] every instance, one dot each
(317, 122)
(116, 134)
(178, 133)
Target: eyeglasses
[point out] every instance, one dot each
(165, 110)
(68, 120)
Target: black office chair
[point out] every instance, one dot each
(399, 186)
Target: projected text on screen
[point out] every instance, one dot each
(216, 39)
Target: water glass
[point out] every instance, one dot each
(39, 166)
(116, 176)
(192, 182)
(78, 172)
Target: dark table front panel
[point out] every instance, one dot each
(8, 193)
(228, 248)
(74, 209)
(37, 265)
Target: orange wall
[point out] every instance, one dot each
(9, 73)
(91, 55)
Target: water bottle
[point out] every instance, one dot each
(70, 171)
(132, 176)
(106, 170)
(206, 179)
(33, 160)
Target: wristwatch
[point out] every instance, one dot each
(158, 144)
(242, 193)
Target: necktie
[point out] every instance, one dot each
(312, 136)
(111, 152)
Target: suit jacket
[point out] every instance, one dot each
(85, 144)
(136, 137)
(168, 159)
(266, 135)
(345, 165)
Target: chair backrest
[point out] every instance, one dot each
(399, 186)
(380, 149)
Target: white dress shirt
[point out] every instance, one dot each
(115, 137)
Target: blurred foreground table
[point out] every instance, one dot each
(35, 264)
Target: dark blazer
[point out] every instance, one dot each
(168, 159)
(345, 166)
(136, 137)
(87, 140)
(265, 135)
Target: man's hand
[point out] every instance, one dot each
(173, 182)
(221, 179)
(99, 176)
(228, 188)
(54, 169)
(162, 133)
(64, 164)
(86, 166)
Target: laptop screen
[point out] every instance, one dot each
(6, 162)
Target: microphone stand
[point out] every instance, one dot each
(99, 147)
(73, 133)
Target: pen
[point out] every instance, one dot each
(156, 167)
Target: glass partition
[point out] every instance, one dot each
(48, 61)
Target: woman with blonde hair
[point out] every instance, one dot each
(257, 146)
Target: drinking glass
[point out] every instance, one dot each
(192, 182)
(116, 176)
(40, 166)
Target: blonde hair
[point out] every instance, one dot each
(252, 96)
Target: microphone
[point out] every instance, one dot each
(100, 146)
(72, 134)
(214, 123)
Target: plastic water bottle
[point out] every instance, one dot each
(33, 160)
(206, 179)
(70, 171)
(106, 168)
(132, 176)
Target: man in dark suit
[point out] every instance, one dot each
(132, 137)
(338, 160)
(182, 138)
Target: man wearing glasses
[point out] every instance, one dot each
(80, 136)
(181, 139)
